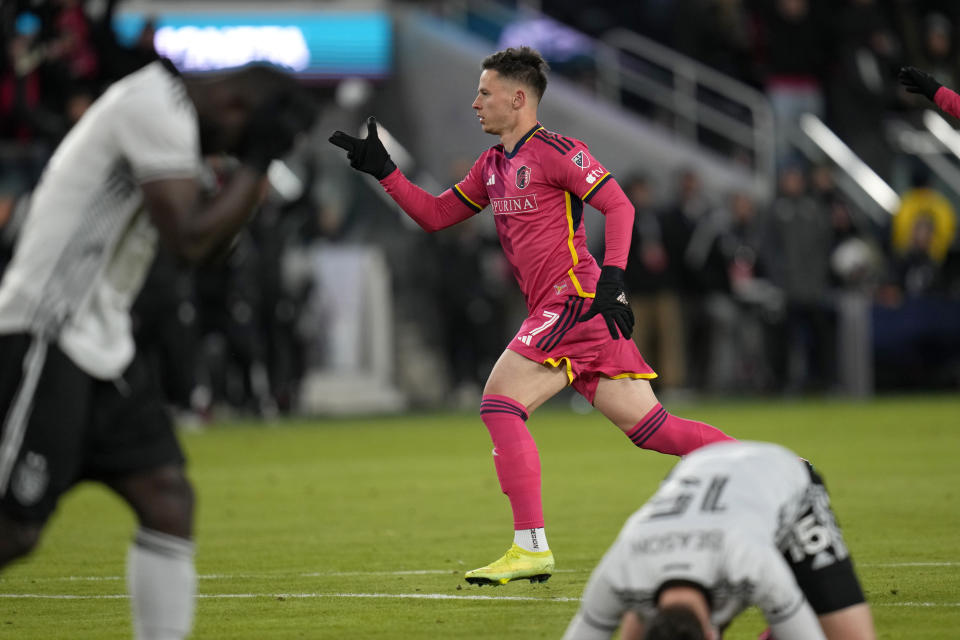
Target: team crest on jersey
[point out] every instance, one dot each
(523, 176)
(581, 160)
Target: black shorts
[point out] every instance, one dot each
(59, 425)
(814, 548)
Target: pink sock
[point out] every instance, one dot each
(516, 458)
(660, 431)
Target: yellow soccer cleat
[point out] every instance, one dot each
(516, 564)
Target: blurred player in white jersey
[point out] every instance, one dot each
(735, 524)
(75, 400)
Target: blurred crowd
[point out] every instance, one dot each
(836, 60)
(55, 60)
(222, 335)
(731, 295)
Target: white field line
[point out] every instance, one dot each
(907, 564)
(411, 572)
(916, 604)
(281, 596)
(402, 596)
(265, 576)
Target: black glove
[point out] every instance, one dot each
(366, 154)
(274, 126)
(610, 301)
(916, 81)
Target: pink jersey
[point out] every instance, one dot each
(536, 194)
(948, 100)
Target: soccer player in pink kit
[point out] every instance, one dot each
(578, 330)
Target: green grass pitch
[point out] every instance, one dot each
(362, 528)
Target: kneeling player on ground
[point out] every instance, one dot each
(578, 330)
(735, 524)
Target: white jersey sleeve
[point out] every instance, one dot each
(602, 606)
(162, 143)
(774, 590)
(87, 242)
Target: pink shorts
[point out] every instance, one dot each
(552, 336)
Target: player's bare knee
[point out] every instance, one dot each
(163, 501)
(173, 500)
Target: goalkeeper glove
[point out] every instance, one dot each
(610, 301)
(274, 127)
(916, 81)
(366, 154)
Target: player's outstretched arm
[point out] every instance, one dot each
(601, 608)
(368, 155)
(194, 230)
(922, 83)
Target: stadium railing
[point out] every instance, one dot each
(632, 67)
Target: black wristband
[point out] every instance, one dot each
(388, 168)
(610, 273)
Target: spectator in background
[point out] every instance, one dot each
(656, 19)
(591, 18)
(471, 309)
(165, 328)
(856, 260)
(72, 58)
(25, 118)
(718, 33)
(922, 232)
(13, 205)
(914, 271)
(281, 235)
(714, 314)
(939, 56)
(822, 186)
(739, 346)
(794, 50)
(653, 282)
(860, 88)
(797, 250)
(678, 220)
(116, 59)
(62, 54)
(849, 225)
(915, 322)
(689, 204)
(229, 297)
